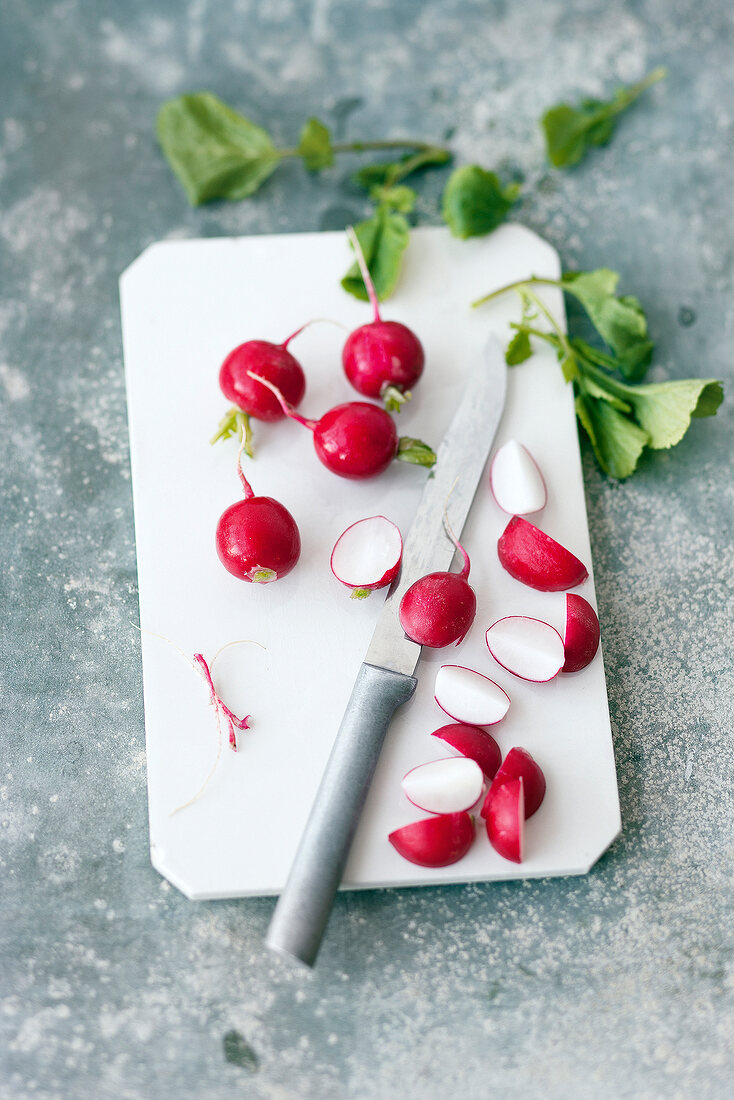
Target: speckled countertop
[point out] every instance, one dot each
(112, 985)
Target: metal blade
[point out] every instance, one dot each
(461, 459)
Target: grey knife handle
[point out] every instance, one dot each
(300, 916)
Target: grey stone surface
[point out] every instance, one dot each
(112, 985)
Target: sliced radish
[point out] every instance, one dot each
(516, 481)
(469, 697)
(435, 841)
(473, 742)
(519, 764)
(531, 556)
(581, 638)
(444, 786)
(505, 818)
(367, 555)
(528, 648)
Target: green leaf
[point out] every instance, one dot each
(620, 322)
(571, 131)
(215, 152)
(475, 202)
(235, 422)
(415, 451)
(315, 146)
(664, 409)
(390, 172)
(384, 238)
(399, 198)
(518, 349)
(617, 441)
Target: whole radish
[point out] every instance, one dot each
(438, 609)
(356, 440)
(382, 358)
(257, 538)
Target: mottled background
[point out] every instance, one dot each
(112, 985)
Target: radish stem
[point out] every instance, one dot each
(285, 406)
(365, 272)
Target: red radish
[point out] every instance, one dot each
(581, 638)
(519, 764)
(505, 818)
(469, 697)
(367, 555)
(355, 440)
(473, 742)
(528, 648)
(435, 841)
(257, 538)
(438, 609)
(383, 358)
(272, 361)
(444, 786)
(516, 481)
(531, 556)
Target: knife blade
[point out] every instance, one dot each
(385, 680)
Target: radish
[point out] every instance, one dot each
(516, 481)
(435, 841)
(438, 609)
(469, 697)
(444, 786)
(581, 638)
(519, 764)
(383, 358)
(356, 440)
(367, 555)
(531, 556)
(473, 742)
(505, 818)
(257, 538)
(528, 648)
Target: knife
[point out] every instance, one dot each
(386, 681)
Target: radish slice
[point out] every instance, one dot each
(435, 841)
(528, 648)
(473, 742)
(516, 481)
(519, 764)
(531, 556)
(444, 786)
(367, 555)
(469, 697)
(506, 819)
(581, 638)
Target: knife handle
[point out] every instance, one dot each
(300, 917)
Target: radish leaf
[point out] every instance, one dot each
(415, 451)
(388, 173)
(383, 239)
(475, 202)
(518, 349)
(315, 146)
(620, 322)
(617, 441)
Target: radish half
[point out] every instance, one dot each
(531, 556)
(435, 841)
(444, 786)
(470, 697)
(473, 742)
(528, 648)
(581, 638)
(516, 481)
(367, 555)
(505, 818)
(519, 764)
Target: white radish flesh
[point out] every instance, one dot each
(516, 481)
(444, 786)
(468, 696)
(528, 648)
(367, 555)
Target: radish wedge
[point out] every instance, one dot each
(444, 786)
(473, 742)
(528, 648)
(516, 481)
(505, 819)
(435, 841)
(519, 764)
(367, 555)
(531, 556)
(468, 696)
(581, 638)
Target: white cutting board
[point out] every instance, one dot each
(185, 304)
